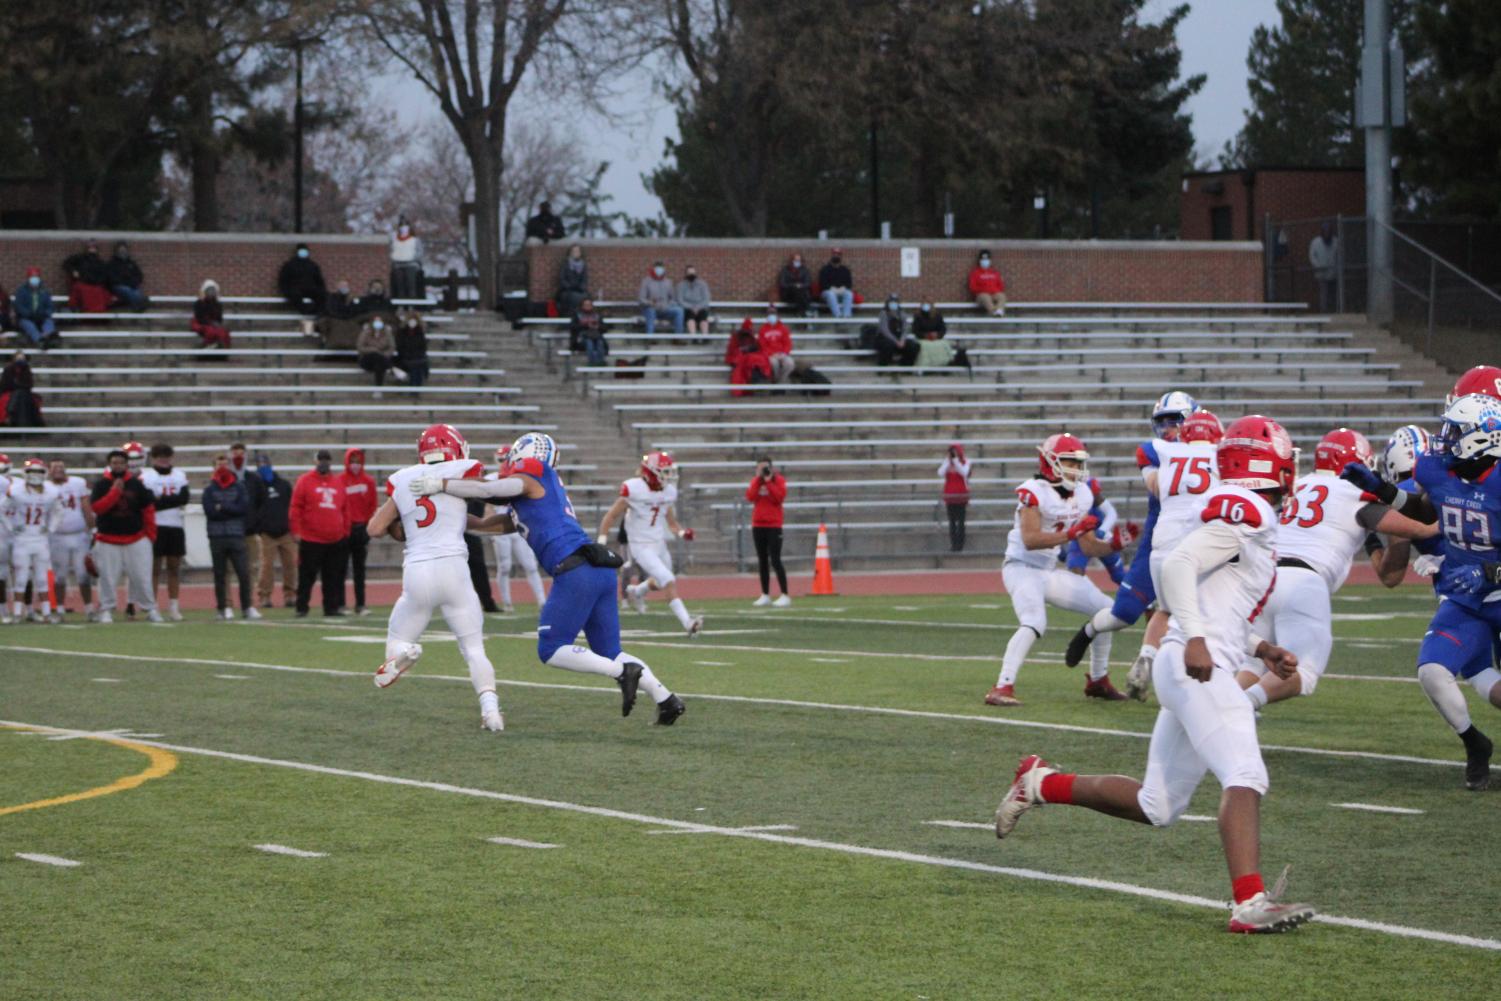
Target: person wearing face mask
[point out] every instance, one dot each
(20, 407)
(930, 329)
(795, 284)
(301, 284)
(270, 504)
(375, 300)
(88, 280)
(208, 316)
(123, 277)
(544, 227)
(894, 342)
(33, 308)
(170, 488)
(319, 519)
(341, 301)
(775, 341)
(987, 287)
(411, 348)
(226, 507)
(359, 495)
(125, 528)
(377, 349)
(573, 281)
(406, 262)
(657, 295)
(693, 296)
(837, 285)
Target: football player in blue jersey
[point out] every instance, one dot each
(1457, 485)
(1136, 593)
(583, 572)
(1396, 463)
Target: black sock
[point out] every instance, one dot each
(1475, 742)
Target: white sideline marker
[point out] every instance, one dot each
(713, 663)
(758, 829)
(521, 843)
(829, 660)
(294, 852)
(1374, 808)
(61, 863)
(106, 681)
(233, 677)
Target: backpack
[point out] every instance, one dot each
(810, 377)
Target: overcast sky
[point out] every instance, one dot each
(1214, 38)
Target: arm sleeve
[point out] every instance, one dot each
(472, 489)
(179, 499)
(1108, 516)
(1213, 545)
(777, 489)
(752, 491)
(1370, 515)
(106, 500)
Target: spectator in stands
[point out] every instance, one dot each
(586, 332)
(226, 508)
(544, 227)
(88, 280)
(208, 316)
(19, 406)
(776, 344)
(894, 342)
(987, 287)
(33, 307)
(657, 295)
(406, 262)
(123, 275)
(928, 321)
(573, 281)
(273, 531)
(748, 363)
(125, 527)
(359, 496)
(955, 472)
(837, 285)
(7, 318)
(374, 300)
(237, 460)
(768, 491)
(300, 283)
(411, 348)
(319, 518)
(795, 284)
(341, 302)
(1323, 257)
(377, 349)
(693, 296)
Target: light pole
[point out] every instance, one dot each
(296, 44)
(1382, 105)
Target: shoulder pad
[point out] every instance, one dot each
(1231, 509)
(1146, 455)
(1026, 497)
(528, 467)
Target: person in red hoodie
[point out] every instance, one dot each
(955, 472)
(320, 520)
(767, 491)
(748, 363)
(359, 496)
(776, 344)
(125, 523)
(987, 287)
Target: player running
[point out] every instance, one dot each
(1052, 509)
(1324, 523)
(435, 566)
(1397, 462)
(511, 550)
(34, 509)
(583, 572)
(647, 501)
(1214, 583)
(70, 543)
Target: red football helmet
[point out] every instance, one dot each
(1339, 448)
(35, 471)
(1201, 425)
(135, 455)
(658, 469)
(1054, 450)
(4, 463)
(1484, 379)
(1256, 453)
(441, 443)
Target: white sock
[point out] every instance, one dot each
(481, 671)
(681, 611)
(640, 590)
(1444, 692)
(1256, 695)
(1103, 622)
(1016, 652)
(577, 658)
(1099, 658)
(172, 605)
(488, 703)
(503, 585)
(1149, 652)
(46, 607)
(649, 682)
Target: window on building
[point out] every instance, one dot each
(1221, 223)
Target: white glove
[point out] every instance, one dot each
(1427, 566)
(422, 486)
(601, 538)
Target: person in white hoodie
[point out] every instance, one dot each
(406, 262)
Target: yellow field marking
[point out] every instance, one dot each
(162, 762)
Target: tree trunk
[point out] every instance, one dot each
(484, 160)
(203, 154)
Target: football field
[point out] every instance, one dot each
(214, 810)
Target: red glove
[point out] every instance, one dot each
(686, 535)
(1083, 526)
(1123, 536)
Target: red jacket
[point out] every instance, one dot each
(985, 280)
(359, 488)
(319, 512)
(775, 339)
(768, 496)
(955, 477)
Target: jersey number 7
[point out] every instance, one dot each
(1197, 466)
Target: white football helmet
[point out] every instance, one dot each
(1171, 411)
(1472, 428)
(534, 445)
(1400, 455)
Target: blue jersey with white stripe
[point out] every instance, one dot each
(547, 523)
(1469, 516)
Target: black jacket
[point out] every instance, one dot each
(544, 227)
(926, 323)
(125, 516)
(87, 268)
(300, 276)
(833, 275)
(124, 271)
(271, 515)
(226, 509)
(411, 344)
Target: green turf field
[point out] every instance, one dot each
(777, 843)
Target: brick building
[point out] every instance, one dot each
(1233, 204)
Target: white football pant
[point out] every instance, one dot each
(442, 584)
(655, 561)
(1031, 590)
(30, 559)
(511, 550)
(1297, 617)
(69, 549)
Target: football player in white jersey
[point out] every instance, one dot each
(4, 542)
(172, 495)
(511, 550)
(646, 500)
(70, 543)
(34, 509)
(1053, 509)
(1324, 523)
(435, 566)
(1215, 584)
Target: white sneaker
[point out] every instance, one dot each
(1265, 913)
(1139, 678)
(361, 611)
(5, 619)
(762, 601)
(227, 614)
(387, 674)
(1025, 793)
(36, 616)
(507, 608)
(782, 602)
(154, 616)
(495, 721)
(104, 618)
(174, 613)
(695, 627)
(55, 620)
(638, 600)
(253, 614)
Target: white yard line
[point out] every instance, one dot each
(713, 663)
(865, 851)
(61, 863)
(294, 852)
(521, 843)
(1373, 808)
(715, 830)
(233, 677)
(106, 681)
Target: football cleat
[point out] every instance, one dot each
(1478, 766)
(1025, 793)
(669, 709)
(630, 678)
(1139, 678)
(36, 616)
(1002, 695)
(1103, 689)
(227, 614)
(175, 615)
(1077, 646)
(494, 721)
(1265, 914)
(387, 674)
(696, 626)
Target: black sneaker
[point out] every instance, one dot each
(1478, 765)
(669, 709)
(1077, 648)
(630, 677)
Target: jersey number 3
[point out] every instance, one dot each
(429, 512)
(1311, 504)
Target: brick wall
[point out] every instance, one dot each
(177, 263)
(1250, 195)
(1037, 270)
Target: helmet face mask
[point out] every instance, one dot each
(1171, 410)
(36, 472)
(1471, 433)
(135, 456)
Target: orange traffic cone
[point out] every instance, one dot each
(823, 569)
